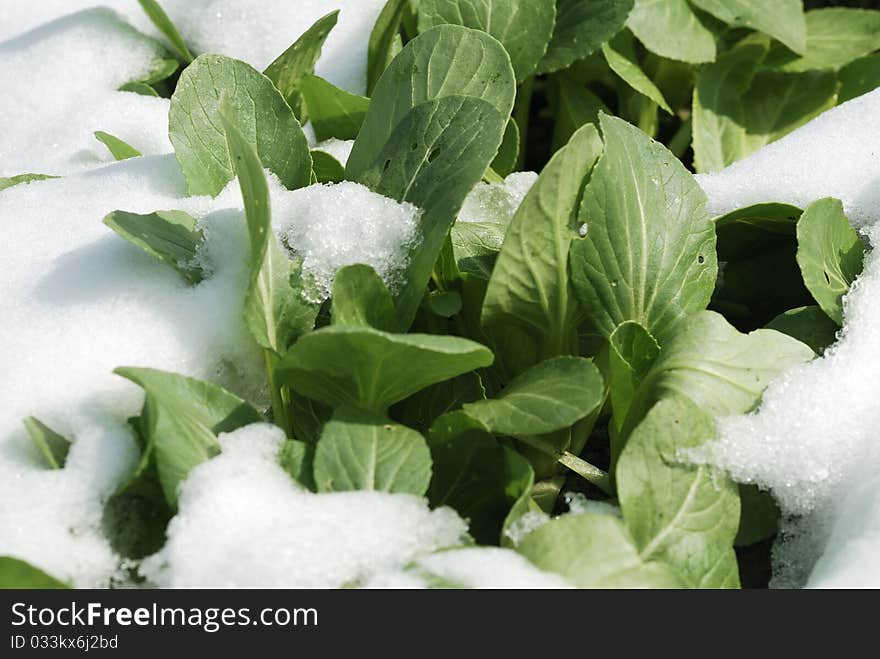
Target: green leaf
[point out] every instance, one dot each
(649, 251)
(631, 353)
(551, 396)
(166, 27)
(476, 246)
(836, 36)
(671, 29)
(780, 19)
(809, 325)
(594, 551)
(530, 301)
(508, 153)
(139, 88)
(297, 459)
(184, 417)
(524, 27)
(365, 368)
(17, 574)
(739, 107)
(575, 106)
(684, 515)
(334, 112)
(326, 168)
(23, 178)
(162, 68)
(253, 105)
(360, 299)
(119, 149)
(170, 236)
(136, 516)
(420, 410)
(475, 475)
(582, 26)
(434, 158)
(385, 41)
(830, 254)
(288, 69)
(461, 62)
(760, 516)
(722, 371)
(620, 53)
(52, 446)
(274, 309)
(361, 451)
(859, 77)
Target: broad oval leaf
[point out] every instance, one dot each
(551, 396)
(684, 515)
(523, 27)
(581, 27)
(360, 451)
(649, 251)
(360, 299)
(830, 254)
(253, 105)
(530, 291)
(184, 417)
(19, 575)
(809, 325)
(371, 370)
(288, 69)
(448, 60)
(671, 29)
(333, 112)
(118, 148)
(781, 19)
(594, 551)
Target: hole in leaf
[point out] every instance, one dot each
(701, 260)
(433, 154)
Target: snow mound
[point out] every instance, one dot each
(837, 155)
(61, 82)
(471, 567)
(334, 225)
(813, 441)
(497, 202)
(244, 522)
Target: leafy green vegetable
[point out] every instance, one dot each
(551, 396)
(326, 168)
(160, 19)
(52, 446)
(17, 574)
(476, 246)
(523, 27)
(422, 409)
(530, 310)
(649, 251)
(508, 153)
(738, 107)
(22, 178)
(781, 19)
(809, 325)
(631, 353)
(334, 112)
(362, 451)
(859, 77)
(253, 105)
(139, 88)
(620, 53)
(830, 254)
(288, 69)
(475, 475)
(173, 237)
(368, 369)
(760, 516)
(575, 105)
(297, 459)
(360, 299)
(594, 551)
(183, 417)
(684, 515)
(385, 42)
(120, 150)
(671, 29)
(582, 26)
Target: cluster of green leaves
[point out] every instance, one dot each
(583, 345)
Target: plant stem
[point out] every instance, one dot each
(280, 395)
(579, 466)
(522, 108)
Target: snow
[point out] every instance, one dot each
(256, 31)
(334, 225)
(497, 202)
(813, 441)
(835, 155)
(263, 530)
(65, 75)
(471, 567)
